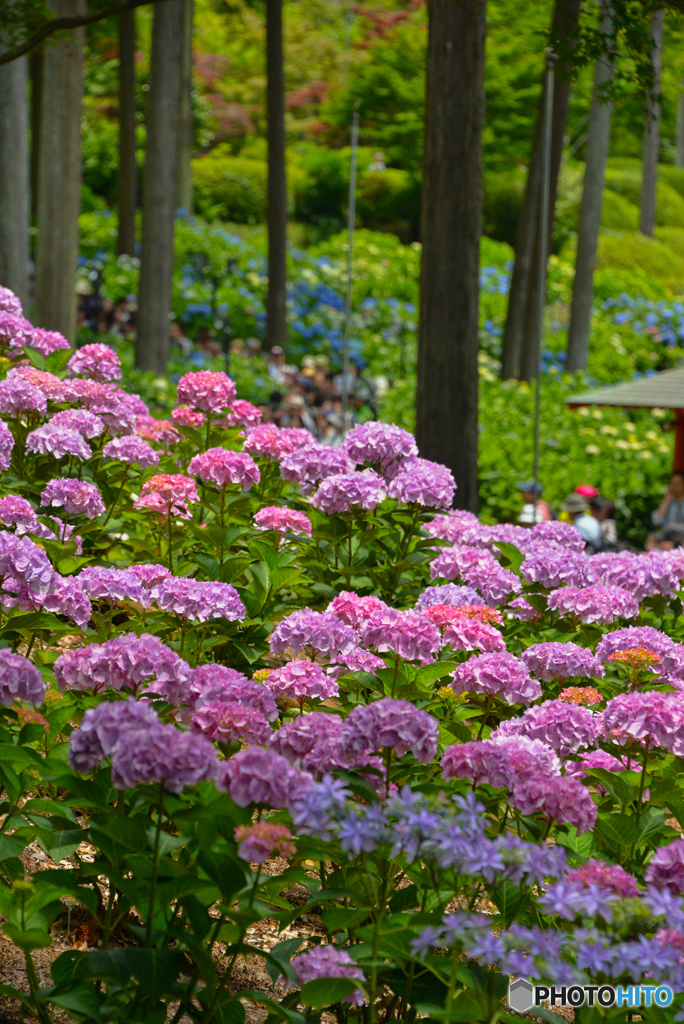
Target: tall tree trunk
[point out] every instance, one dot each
(59, 177)
(14, 179)
(520, 356)
(649, 180)
(679, 151)
(159, 187)
(185, 126)
(36, 75)
(276, 318)
(590, 211)
(127, 180)
(446, 396)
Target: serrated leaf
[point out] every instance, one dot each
(617, 830)
(326, 991)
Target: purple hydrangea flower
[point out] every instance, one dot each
(25, 562)
(478, 569)
(9, 303)
(321, 630)
(132, 450)
(452, 526)
(18, 395)
(424, 483)
(599, 603)
(500, 761)
(564, 727)
(102, 727)
(299, 679)
(564, 799)
(18, 512)
(222, 722)
(666, 868)
(641, 575)
(77, 497)
(221, 467)
(150, 574)
(258, 776)
(651, 718)
(411, 635)
(379, 444)
(86, 423)
(6, 445)
(561, 660)
(162, 755)
(199, 600)
(102, 583)
(553, 566)
(448, 593)
(309, 465)
(214, 682)
(19, 680)
(349, 492)
(97, 361)
(671, 653)
(500, 674)
(556, 532)
(58, 442)
(391, 723)
(329, 962)
(46, 342)
(311, 742)
(68, 598)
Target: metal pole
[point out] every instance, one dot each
(351, 219)
(551, 60)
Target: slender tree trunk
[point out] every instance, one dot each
(679, 153)
(649, 180)
(520, 356)
(446, 397)
(590, 211)
(185, 132)
(36, 74)
(276, 318)
(14, 179)
(159, 187)
(127, 181)
(59, 177)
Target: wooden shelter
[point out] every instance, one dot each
(662, 390)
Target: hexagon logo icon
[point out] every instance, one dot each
(520, 995)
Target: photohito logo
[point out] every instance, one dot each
(523, 995)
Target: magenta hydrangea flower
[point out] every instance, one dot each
(6, 445)
(666, 868)
(565, 727)
(132, 450)
(283, 520)
(552, 566)
(198, 600)
(411, 635)
(608, 876)
(19, 680)
(564, 799)
(466, 634)
(258, 776)
(320, 630)
(214, 682)
(671, 653)
(19, 395)
(269, 441)
(221, 467)
(242, 414)
(424, 483)
(599, 603)
(379, 444)
(391, 723)
(127, 662)
(150, 574)
(97, 361)
(222, 722)
(353, 609)
(46, 342)
(299, 679)
(556, 532)
(206, 390)
(76, 497)
(350, 492)
(500, 674)
(329, 962)
(184, 417)
(452, 526)
(103, 583)
(58, 442)
(501, 761)
(86, 423)
(561, 660)
(9, 303)
(651, 718)
(67, 597)
(309, 465)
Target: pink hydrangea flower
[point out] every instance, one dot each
(422, 482)
(97, 362)
(451, 527)
(19, 680)
(599, 603)
(309, 465)
(466, 634)
(19, 395)
(353, 609)
(150, 574)
(222, 722)
(350, 492)
(77, 497)
(214, 682)
(184, 417)
(206, 391)
(299, 679)
(242, 414)
(17, 511)
(666, 868)
(500, 674)
(608, 876)
(45, 342)
(501, 761)
(101, 582)
(561, 660)
(85, 422)
(221, 467)
(162, 432)
(58, 442)
(257, 776)
(271, 442)
(198, 600)
(14, 327)
(51, 387)
(262, 840)
(132, 450)
(409, 634)
(169, 494)
(651, 718)
(564, 799)
(6, 445)
(556, 532)
(329, 962)
(67, 597)
(9, 303)
(379, 444)
(671, 653)
(283, 520)
(553, 566)
(565, 727)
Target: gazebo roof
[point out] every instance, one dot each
(662, 390)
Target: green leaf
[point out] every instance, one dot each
(155, 969)
(511, 901)
(513, 558)
(11, 846)
(277, 1009)
(327, 991)
(583, 846)
(24, 756)
(27, 939)
(429, 673)
(652, 821)
(224, 872)
(283, 952)
(404, 899)
(617, 830)
(81, 998)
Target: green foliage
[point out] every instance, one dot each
(627, 251)
(503, 197)
(229, 188)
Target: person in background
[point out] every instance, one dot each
(587, 491)
(253, 347)
(543, 510)
(671, 508)
(671, 536)
(378, 162)
(604, 510)
(586, 525)
(276, 362)
(178, 338)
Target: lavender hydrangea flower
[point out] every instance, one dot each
(9, 302)
(101, 728)
(671, 653)
(18, 395)
(424, 483)
(500, 761)
(449, 594)
(556, 532)
(97, 361)
(214, 682)
(379, 444)
(311, 742)
(553, 566)
(46, 342)
(18, 512)
(564, 727)
(25, 562)
(258, 776)
(391, 723)
(641, 575)
(299, 679)
(164, 756)
(305, 628)
(220, 467)
(666, 868)
(310, 465)
(149, 574)
(132, 450)
(67, 597)
(222, 722)
(19, 680)
(599, 603)
(86, 423)
(651, 718)
(329, 962)
(556, 660)
(564, 799)
(500, 674)
(6, 446)
(77, 497)
(58, 442)
(198, 600)
(102, 583)
(451, 527)
(411, 635)
(350, 492)
(478, 569)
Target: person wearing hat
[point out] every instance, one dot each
(528, 514)
(586, 490)
(587, 526)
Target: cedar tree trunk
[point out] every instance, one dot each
(647, 213)
(14, 179)
(127, 181)
(276, 214)
(185, 132)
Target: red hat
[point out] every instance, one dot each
(586, 490)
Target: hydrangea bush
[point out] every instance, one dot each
(246, 677)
